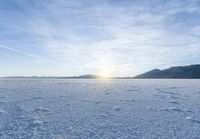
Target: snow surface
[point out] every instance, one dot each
(87, 108)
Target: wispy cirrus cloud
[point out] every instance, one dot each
(123, 38)
(35, 57)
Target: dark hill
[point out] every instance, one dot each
(191, 71)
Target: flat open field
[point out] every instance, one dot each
(88, 108)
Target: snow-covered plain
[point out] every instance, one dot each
(88, 108)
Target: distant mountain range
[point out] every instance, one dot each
(185, 72)
(87, 76)
(191, 71)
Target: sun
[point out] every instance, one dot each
(104, 69)
(104, 74)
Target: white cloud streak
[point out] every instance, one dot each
(123, 39)
(35, 57)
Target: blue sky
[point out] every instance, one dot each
(108, 37)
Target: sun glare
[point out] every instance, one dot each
(105, 68)
(104, 75)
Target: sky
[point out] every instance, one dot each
(106, 37)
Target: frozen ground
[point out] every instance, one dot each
(124, 109)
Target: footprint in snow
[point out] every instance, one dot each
(173, 109)
(2, 97)
(174, 102)
(35, 98)
(127, 100)
(193, 120)
(97, 102)
(117, 109)
(68, 104)
(41, 109)
(179, 109)
(165, 92)
(174, 97)
(62, 96)
(132, 90)
(164, 109)
(1, 101)
(103, 116)
(159, 89)
(172, 87)
(85, 100)
(35, 123)
(2, 111)
(21, 117)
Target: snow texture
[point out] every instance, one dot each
(106, 109)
